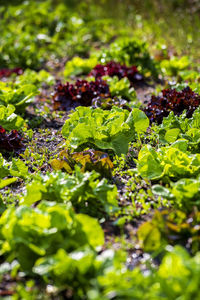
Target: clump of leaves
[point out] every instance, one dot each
(19, 96)
(130, 52)
(86, 191)
(168, 162)
(11, 141)
(172, 100)
(79, 66)
(8, 119)
(87, 160)
(10, 171)
(113, 68)
(121, 88)
(82, 92)
(30, 234)
(9, 72)
(176, 277)
(112, 129)
(179, 127)
(175, 65)
(170, 227)
(39, 79)
(185, 193)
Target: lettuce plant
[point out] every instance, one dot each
(9, 72)
(183, 193)
(172, 100)
(121, 88)
(168, 162)
(170, 227)
(87, 160)
(130, 52)
(179, 127)
(175, 65)
(39, 79)
(29, 234)
(14, 168)
(10, 171)
(11, 141)
(113, 68)
(8, 119)
(112, 129)
(177, 277)
(79, 66)
(19, 96)
(86, 191)
(82, 92)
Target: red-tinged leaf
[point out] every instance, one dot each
(88, 160)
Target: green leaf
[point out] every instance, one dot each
(172, 134)
(8, 119)
(149, 237)
(162, 191)
(93, 230)
(6, 182)
(18, 168)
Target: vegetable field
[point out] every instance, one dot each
(99, 150)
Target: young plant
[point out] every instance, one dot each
(172, 100)
(112, 129)
(87, 192)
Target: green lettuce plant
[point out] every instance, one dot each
(177, 277)
(39, 79)
(166, 163)
(183, 193)
(130, 52)
(19, 96)
(112, 129)
(27, 234)
(10, 171)
(8, 119)
(175, 65)
(87, 192)
(179, 127)
(121, 88)
(79, 66)
(170, 227)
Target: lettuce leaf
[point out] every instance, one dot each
(8, 119)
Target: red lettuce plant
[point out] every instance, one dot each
(113, 68)
(172, 100)
(81, 93)
(9, 72)
(11, 141)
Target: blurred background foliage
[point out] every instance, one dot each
(32, 32)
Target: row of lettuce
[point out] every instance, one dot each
(53, 233)
(34, 236)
